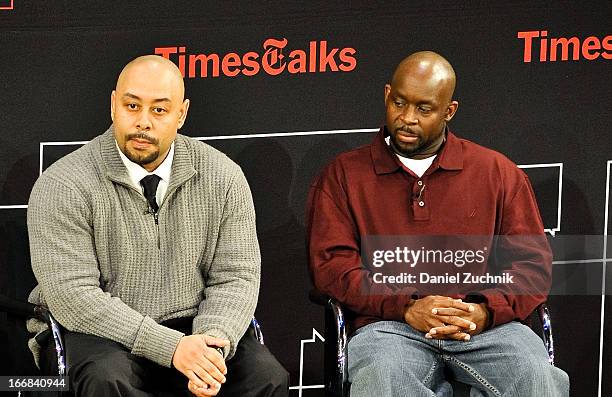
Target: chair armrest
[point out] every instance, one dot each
(27, 310)
(547, 332)
(335, 354)
(257, 330)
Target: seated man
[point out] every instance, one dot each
(418, 179)
(144, 246)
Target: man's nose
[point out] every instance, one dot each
(144, 122)
(409, 116)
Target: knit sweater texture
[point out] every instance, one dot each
(106, 268)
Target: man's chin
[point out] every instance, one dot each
(141, 158)
(405, 150)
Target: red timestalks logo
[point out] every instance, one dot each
(6, 4)
(549, 48)
(318, 58)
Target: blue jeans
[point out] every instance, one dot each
(390, 358)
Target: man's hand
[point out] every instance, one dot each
(201, 364)
(454, 322)
(478, 314)
(202, 392)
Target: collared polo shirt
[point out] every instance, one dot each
(468, 190)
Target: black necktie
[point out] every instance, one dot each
(149, 183)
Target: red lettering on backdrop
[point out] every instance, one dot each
(249, 60)
(543, 46)
(607, 45)
(319, 57)
(347, 56)
(591, 43)
(273, 56)
(528, 36)
(203, 61)
(298, 62)
(165, 51)
(312, 67)
(327, 58)
(553, 48)
(564, 44)
(181, 58)
(231, 60)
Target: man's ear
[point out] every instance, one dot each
(112, 105)
(183, 113)
(451, 110)
(387, 91)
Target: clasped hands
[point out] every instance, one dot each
(441, 317)
(197, 358)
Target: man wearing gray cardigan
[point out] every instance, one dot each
(144, 246)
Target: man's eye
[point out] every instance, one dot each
(132, 106)
(424, 109)
(159, 110)
(398, 104)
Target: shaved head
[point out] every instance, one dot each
(157, 65)
(148, 106)
(419, 104)
(430, 66)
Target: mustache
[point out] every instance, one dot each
(143, 136)
(407, 130)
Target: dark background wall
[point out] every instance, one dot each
(59, 61)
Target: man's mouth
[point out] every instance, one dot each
(406, 136)
(140, 143)
(141, 140)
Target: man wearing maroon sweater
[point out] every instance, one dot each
(418, 179)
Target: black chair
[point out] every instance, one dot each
(26, 310)
(335, 347)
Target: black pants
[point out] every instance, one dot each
(101, 367)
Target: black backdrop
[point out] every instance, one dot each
(59, 61)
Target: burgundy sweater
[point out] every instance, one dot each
(470, 190)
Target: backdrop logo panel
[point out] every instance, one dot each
(551, 49)
(274, 59)
(6, 4)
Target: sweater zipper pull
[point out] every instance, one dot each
(156, 216)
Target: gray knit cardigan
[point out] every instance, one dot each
(104, 266)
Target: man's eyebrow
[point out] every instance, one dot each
(430, 102)
(136, 97)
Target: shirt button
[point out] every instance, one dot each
(420, 183)
(421, 204)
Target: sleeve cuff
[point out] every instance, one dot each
(156, 342)
(499, 309)
(395, 307)
(228, 351)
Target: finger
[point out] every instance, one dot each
(194, 389)
(458, 321)
(211, 369)
(214, 341)
(444, 330)
(195, 380)
(460, 336)
(202, 391)
(206, 376)
(216, 366)
(448, 311)
(458, 304)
